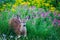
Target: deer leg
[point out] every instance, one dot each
(25, 32)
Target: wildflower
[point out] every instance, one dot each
(47, 14)
(54, 22)
(33, 7)
(38, 1)
(14, 6)
(28, 3)
(42, 14)
(19, 1)
(59, 15)
(43, 3)
(55, 13)
(25, 3)
(51, 5)
(13, 10)
(59, 21)
(47, 4)
(52, 9)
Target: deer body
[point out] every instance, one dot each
(17, 26)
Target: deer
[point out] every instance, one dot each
(19, 26)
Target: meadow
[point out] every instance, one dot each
(43, 23)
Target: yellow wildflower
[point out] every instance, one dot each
(19, 1)
(14, 6)
(52, 9)
(13, 10)
(28, 3)
(47, 4)
(25, 3)
(38, 1)
(43, 3)
(51, 5)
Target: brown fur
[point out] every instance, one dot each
(15, 25)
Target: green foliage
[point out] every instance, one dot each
(6, 4)
(37, 28)
(6, 1)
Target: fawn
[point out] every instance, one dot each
(18, 26)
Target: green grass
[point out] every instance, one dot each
(42, 29)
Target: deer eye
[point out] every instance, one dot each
(24, 25)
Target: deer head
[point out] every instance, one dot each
(19, 25)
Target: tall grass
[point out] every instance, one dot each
(39, 26)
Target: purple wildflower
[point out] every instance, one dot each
(42, 15)
(31, 8)
(55, 13)
(58, 22)
(47, 13)
(54, 21)
(58, 14)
